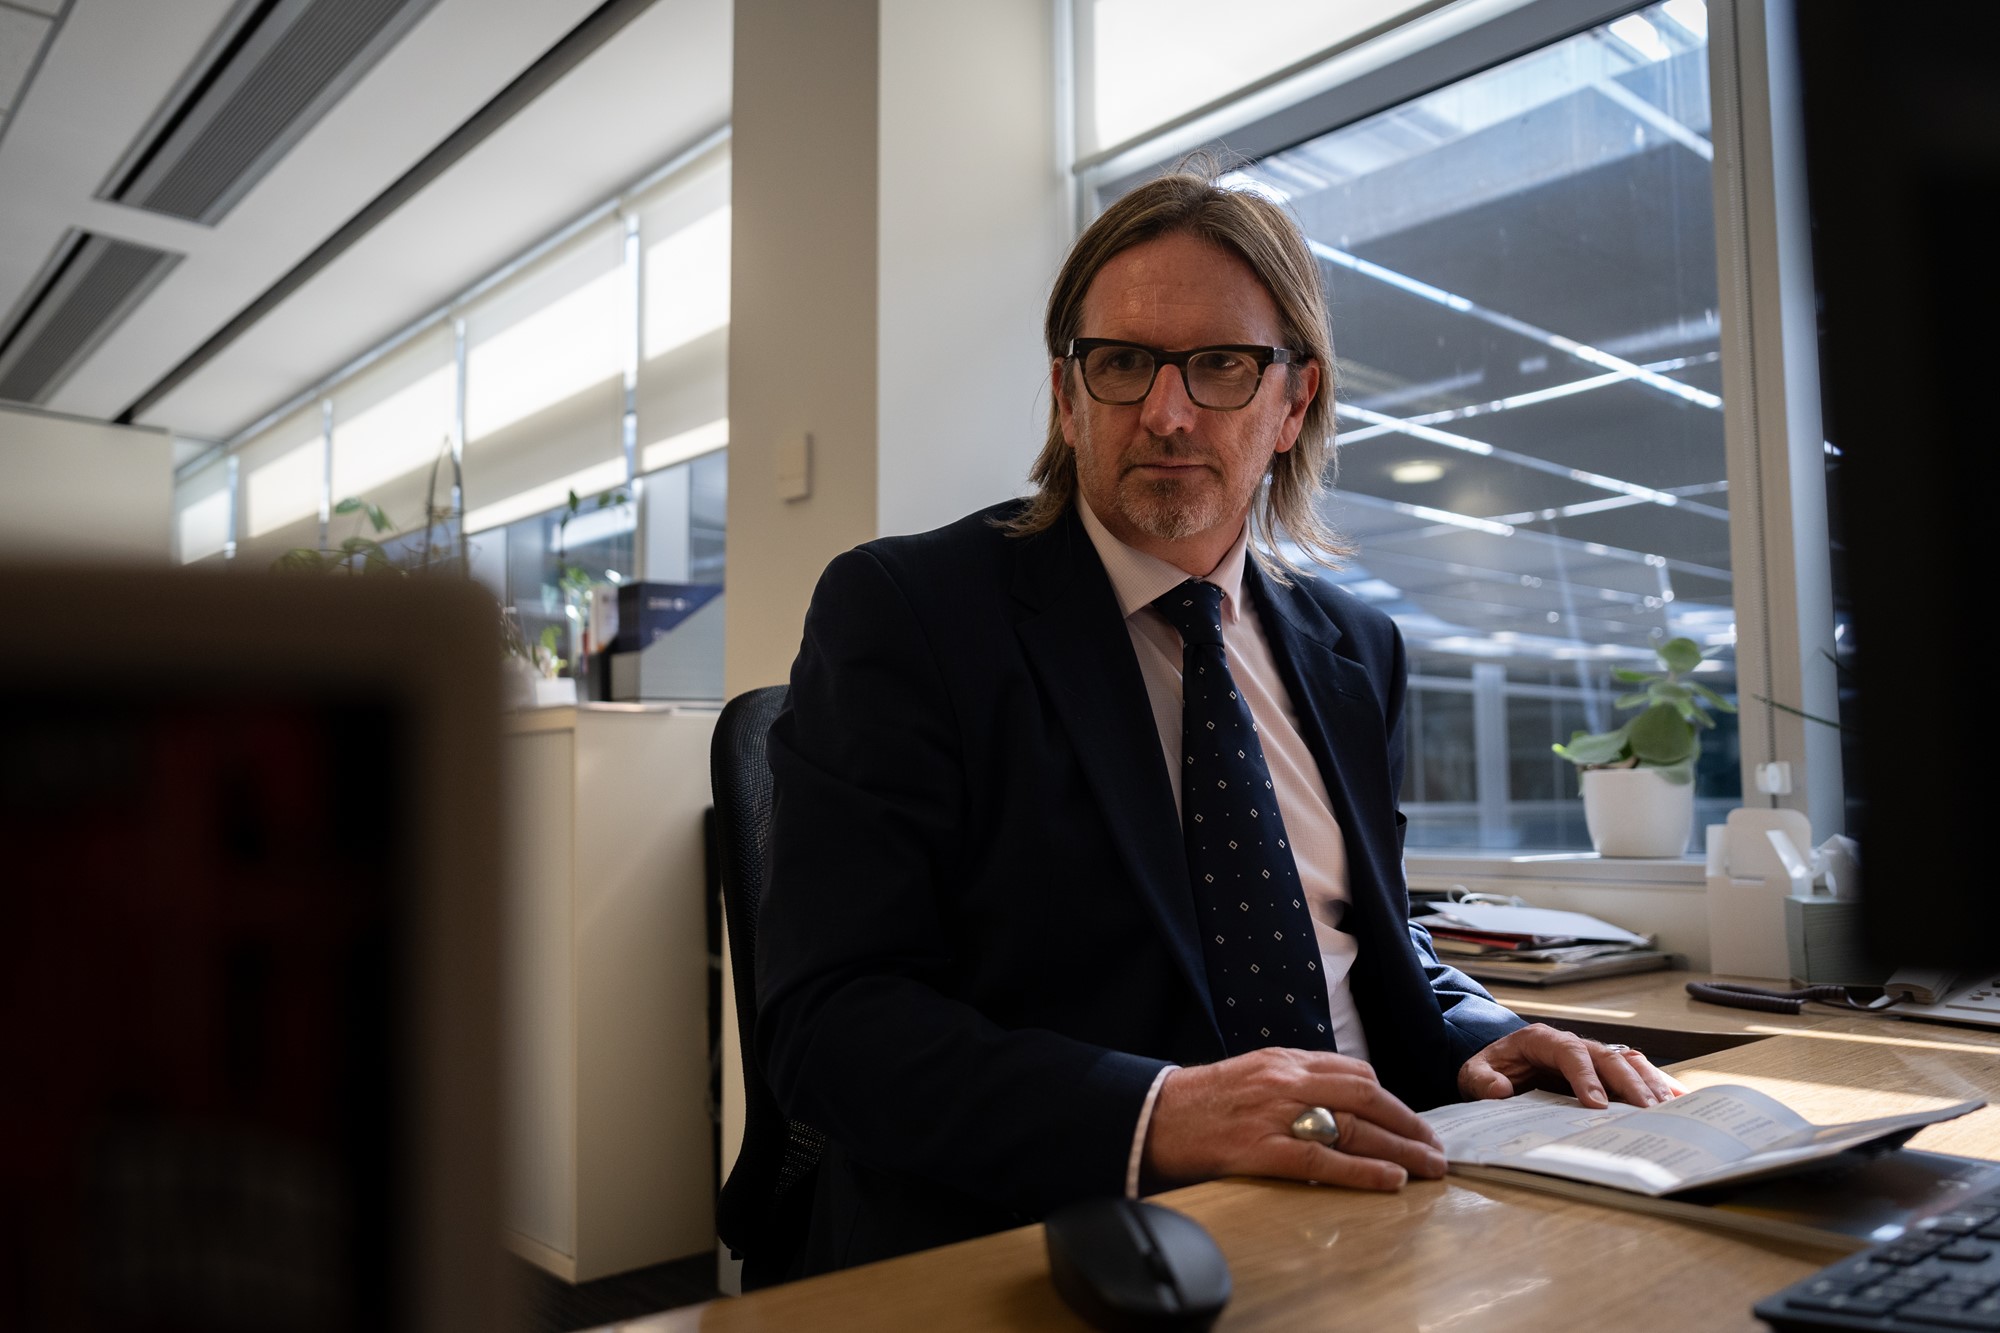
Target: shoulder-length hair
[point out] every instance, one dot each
(1264, 236)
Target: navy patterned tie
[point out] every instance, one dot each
(1256, 933)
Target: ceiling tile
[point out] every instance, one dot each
(21, 37)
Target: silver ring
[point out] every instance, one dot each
(1316, 1124)
(1619, 1048)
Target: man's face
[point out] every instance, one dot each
(1165, 476)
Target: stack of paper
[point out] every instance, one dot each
(1535, 945)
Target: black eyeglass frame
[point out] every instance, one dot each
(1266, 357)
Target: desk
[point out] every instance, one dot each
(1457, 1256)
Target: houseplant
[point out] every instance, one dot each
(1638, 779)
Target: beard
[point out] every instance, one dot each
(1170, 508)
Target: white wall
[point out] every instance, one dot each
(974, 223)
(899, 213)
(76, 489)
(802, 313)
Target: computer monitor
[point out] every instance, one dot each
(249, 953)
(1902, 121)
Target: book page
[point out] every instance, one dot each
(1654, 1150)
(1668, 1146)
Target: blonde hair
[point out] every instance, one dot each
(1189, 202)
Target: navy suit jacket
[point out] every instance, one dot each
(978, 945)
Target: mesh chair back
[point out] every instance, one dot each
(764, 1205)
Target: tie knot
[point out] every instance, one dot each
(1195, 609)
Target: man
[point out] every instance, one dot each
(1024, 941)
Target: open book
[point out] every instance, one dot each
(1719, 1135)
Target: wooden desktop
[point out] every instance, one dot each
(1457, 1256)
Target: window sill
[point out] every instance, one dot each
(1442, 869)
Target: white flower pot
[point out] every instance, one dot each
(1636, 812)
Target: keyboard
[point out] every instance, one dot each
(1944, 1273)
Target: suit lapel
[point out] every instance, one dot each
(1079, 648)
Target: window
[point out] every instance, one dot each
(202, 519)
(544, 388)
(1151, 61)
(596, 364)
(1522, 270)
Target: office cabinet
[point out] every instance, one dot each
(609, 1152)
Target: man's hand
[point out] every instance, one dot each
(1542, 1056)
(1235, 1117)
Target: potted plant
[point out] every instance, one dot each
(1638, 780)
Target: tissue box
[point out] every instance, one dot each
(1823, 940)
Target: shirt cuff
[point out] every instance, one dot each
(1139, 1133)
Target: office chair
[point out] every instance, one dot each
(764, 1206)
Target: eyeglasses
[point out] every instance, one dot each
(1221, 379)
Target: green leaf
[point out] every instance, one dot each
(1666, 692)
(1680, 655)
(379, 519)
(1632, 700)
(349, 505)
(1660, 735)
(574, 503)
(1631, 677)
(1715, 700)
(299, 560)
(1601, 748)
(1680, 774)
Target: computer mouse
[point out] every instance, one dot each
(1123, 1264)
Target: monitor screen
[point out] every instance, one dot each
(246, 972)
(1903, 169)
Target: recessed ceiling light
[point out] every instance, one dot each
(1413, 473)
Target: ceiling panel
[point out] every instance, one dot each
(444, 70)
(658, 84)
(21, 36)
(653, 89)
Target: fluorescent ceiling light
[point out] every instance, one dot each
(538, 499)
(204, 527)
(1456, 520)
(1641, 36)
(1690, 14)
(285, 489)
(687, 444)
(1416, 472)
(687, 284)
(1240, 180)
(562, 349)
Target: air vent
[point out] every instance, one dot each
(266, 77)
(89, 285)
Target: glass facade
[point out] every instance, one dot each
(1521, 268)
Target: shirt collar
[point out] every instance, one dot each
(1138, 578)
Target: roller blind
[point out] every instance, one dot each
(279, 478)
(545, 393)
(391, 423)
(683, 384)
(201, 513)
